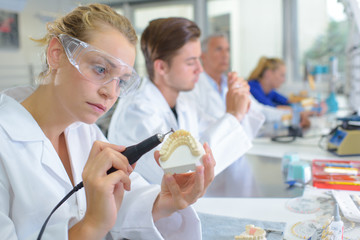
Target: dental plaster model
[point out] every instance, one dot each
(252, 233)
(181, 153)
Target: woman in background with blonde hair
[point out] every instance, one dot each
(268, 75)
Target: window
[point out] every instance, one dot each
(254, 29)
(322, 34)
(147, 12)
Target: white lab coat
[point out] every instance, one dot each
(272, 114)
(212, 103)
(237, 180)
(33, 180)
(146, 113)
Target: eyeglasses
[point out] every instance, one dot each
(99, 67)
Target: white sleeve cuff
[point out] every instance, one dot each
(135, 219)
(227, 140)
(183, 224)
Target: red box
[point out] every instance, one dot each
(336, 174)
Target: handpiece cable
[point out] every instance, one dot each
(133, 153)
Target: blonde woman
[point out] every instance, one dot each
(49, 143)
(269, 75)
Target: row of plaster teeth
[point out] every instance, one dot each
(179, 137)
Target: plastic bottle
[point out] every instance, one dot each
(334, 75)
(337, 226)
(296, 111)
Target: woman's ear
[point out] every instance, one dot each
(54, 52)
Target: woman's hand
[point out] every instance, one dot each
(304, 119)
(104, 193)
(178, 191)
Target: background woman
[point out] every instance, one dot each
(269, 75)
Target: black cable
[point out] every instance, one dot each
(75, 189)
(294, 132)
(326, 136)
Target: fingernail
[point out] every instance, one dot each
(129, 169)
(206, 159)
(201, 170)
(168, 177)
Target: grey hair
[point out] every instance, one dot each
(205, 41)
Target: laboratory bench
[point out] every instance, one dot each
(266, 211)
(267, 197)
(269, 207)
(308, 148)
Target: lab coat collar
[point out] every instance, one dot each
(223, 84)
(30, 130)
(157, 99)
(14, 114)
(155, 95)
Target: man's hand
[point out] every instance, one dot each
(237, 97)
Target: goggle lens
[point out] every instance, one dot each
(99, 67)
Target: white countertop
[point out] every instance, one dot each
(266, 209)
(306, 148)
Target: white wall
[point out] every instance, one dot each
(14, 64)
(255, 25)
(260, 32)
(256, 30)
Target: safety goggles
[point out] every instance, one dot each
(99, 67)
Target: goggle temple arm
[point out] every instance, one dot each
(72, 47)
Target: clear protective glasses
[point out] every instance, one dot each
(99, 67)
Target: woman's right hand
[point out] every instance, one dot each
(104, 193)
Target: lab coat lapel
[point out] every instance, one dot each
(157, 99)
(29, 132)
(182, 113)
(78, 144)
(214, 98)
(187, 115)
(54, 164)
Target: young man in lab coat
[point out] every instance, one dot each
(210, 95)
(172, 50)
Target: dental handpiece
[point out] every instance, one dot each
(134, 152)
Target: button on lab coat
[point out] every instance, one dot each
(33, 180)
(146, 113)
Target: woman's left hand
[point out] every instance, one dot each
(178, 191)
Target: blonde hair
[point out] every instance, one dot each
(80, 22)
(265, 64)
